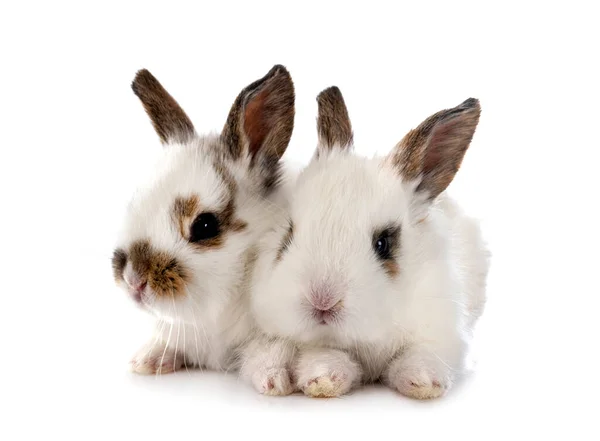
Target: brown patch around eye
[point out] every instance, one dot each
(163, 272)
(285, 242)
(388, 256)
(228, 220)
(227, 224)
(391, 267)
(184, 211)
(119, 260)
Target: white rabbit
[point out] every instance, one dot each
(187, 248)
(377, 274)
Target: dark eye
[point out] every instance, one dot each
(206, 226)
(382, 246)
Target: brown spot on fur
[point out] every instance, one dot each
(285, 242)
(168, 118)
(333, 122)
(260, 124)
(226, 177)
(435, 149)
(391, 267)
(228, 220)
(163, 273)
(119, 260)
(250, 258)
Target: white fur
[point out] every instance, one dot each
(410, 330)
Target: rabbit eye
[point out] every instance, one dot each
(382, 246)
(206, 226)
(385, 242)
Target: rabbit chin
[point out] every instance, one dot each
(344, 330)
(333, 335)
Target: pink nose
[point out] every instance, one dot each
(326, 310)
(323, 306)
(135, 282)
(138, 285)
(322, 298)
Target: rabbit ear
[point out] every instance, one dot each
(168, 118)
(432, 153)
(261, 119)
(333, 122)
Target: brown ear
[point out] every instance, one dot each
(432, 153)
(168, 118)
(333, 122)
(261, 119)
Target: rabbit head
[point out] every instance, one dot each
(185, 247)
(358, 244)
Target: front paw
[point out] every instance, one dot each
(421, 384)
(156, 359)
(326, 386)
(273, 382)
(326, 373)
(415, 378)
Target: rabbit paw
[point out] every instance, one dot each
(419, 382)
(327, 386)
(274, 382)
(156, 359)
(326, 373)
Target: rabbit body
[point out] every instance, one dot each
(187, 248)
(377, 274)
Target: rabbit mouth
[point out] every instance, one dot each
(138, 295)
(325, 317)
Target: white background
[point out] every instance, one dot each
(75, 139)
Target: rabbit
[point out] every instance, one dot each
(376, 275)
(187, 248)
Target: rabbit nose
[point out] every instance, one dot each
(135, 282)
(322, 298)
(323, 306)
(137, 285)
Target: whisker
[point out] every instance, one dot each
(440, 358)
(158, 336)
(195, 304)
(184, 351)
(464, 305)
(162, 359)
(177, 341)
